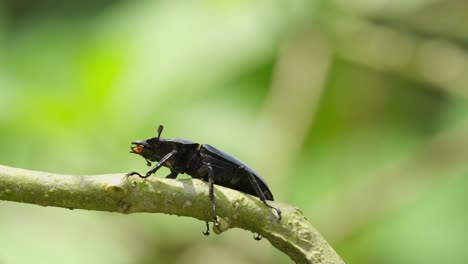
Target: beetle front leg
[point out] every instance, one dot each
(133, 173)
(161, 163)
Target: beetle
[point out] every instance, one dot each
(205, 162)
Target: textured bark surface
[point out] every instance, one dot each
(293, 234)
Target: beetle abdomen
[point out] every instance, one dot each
(233, 173)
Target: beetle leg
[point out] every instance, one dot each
(207, 232)
(260, 194)
(148, 163)
(132, 173)
(257, 237)
(207, 170)
(161, 163)
(211, 181)
(172, 175)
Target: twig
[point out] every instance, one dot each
(293, 234)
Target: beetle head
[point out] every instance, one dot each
(148, 148)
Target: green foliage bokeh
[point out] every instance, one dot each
(353, 111)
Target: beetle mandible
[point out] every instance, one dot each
(204, 162)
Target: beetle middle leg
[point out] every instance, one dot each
(207, 168)
(259, 192)
(213, 205)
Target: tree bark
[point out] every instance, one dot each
(293, 234)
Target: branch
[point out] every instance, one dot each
(293, 234)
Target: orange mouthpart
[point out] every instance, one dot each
(138, 149)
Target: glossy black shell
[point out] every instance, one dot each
(231, 172)
(192, 159)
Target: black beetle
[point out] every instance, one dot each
(204, 162)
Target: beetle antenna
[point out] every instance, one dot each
(160, 129)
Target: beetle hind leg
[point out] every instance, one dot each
(260, 194)
(213, 205)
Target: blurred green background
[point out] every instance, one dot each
(354, 111)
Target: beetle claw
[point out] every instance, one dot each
(257, 237)
(132, 173)
(278, 211)
(207, 232)
(148, 163)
